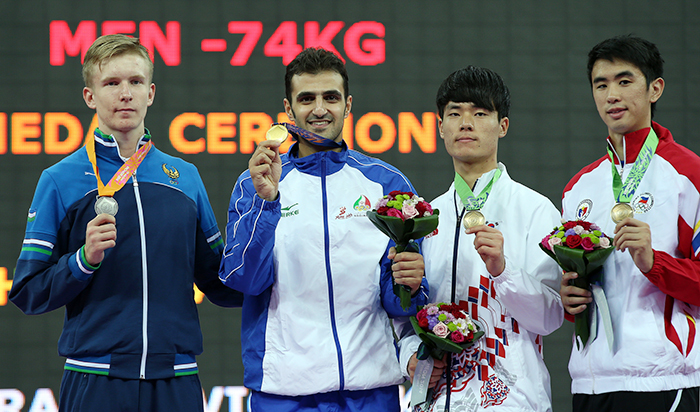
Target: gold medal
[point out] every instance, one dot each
(106, 204)
(277, 132)
(621, 211)
(473, 218)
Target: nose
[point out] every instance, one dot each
(467, 123)
(320, 109)
(613, 94)
(125, 92)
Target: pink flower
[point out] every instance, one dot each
(587, 244)
(604, 242)
(578, 229)
(457, 337)
(441, 330)
(545, 242)
(554, 241)
(409, 211)
(381, 203)
(394, 212)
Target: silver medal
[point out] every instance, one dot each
(106, 204)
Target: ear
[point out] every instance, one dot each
(504, 127)
(89, 98)
(440, 128)
(657, 89)
(348, 106)
(151, 94)
(289, 111)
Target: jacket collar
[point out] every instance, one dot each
(634, 141)
(313, 164)
(107, 144)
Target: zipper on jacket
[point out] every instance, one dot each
(326, 243)
(144, 270)
(455, 255)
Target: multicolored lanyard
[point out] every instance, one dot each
(123, 174)
(310, 137)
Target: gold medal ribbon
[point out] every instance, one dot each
(623, 192)
(470, 201)
(123, 174)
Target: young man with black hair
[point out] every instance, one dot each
(315, 272)
(486, 253)
(645, 191)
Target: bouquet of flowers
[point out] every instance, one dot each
(404, 217)
(581, 247)
(444, 327)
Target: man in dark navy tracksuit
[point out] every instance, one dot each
(117, 233)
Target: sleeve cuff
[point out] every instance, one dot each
(81, 269)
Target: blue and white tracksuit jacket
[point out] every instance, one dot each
(315, 276)
(134, 317)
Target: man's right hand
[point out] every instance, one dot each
(438, 369)
(100, 235)
(575, 299)
(265, 168)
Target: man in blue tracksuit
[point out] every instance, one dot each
(117, 233)
(315, 272)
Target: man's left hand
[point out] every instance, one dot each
(488, 242)
(634, 235)
(408, 268)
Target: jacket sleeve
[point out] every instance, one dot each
(676, 277)
(529, 290)
(248, 262)
(48, 274)
(408, 343)
(209, 248)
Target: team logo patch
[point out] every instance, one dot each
(643, 202)
(31, 215)
(290, 210)
(359, 209)
(171, 172)
(362, 204)
(493, 392)
(584, 209)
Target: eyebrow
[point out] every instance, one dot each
(326, 93)
(624, 73)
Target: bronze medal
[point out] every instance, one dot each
(473, 218)
(621, 211)
(106, 204)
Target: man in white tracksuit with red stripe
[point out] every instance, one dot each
(652, 280)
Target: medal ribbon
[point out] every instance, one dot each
(310, 137)
(624, 193)
(123, 174)
(469, 201)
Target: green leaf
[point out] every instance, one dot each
(586, 264)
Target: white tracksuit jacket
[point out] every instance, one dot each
(506, 368)
(654, 314)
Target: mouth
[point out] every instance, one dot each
(319, 123)
(616, 112)
(465, 139)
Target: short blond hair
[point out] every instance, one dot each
(111, 45)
